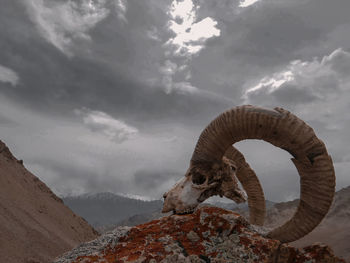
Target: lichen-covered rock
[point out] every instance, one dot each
(209, 235)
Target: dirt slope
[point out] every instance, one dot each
(35, 225)
(334, 230)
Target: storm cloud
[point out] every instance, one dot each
(111, 95)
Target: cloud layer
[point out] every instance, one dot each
(63, 23)
(101, 122)
(8, 75)
(304, 82)
(111, 95)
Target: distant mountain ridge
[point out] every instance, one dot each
(107, 210)
(334, 230)
(106, 196)
(103, 209)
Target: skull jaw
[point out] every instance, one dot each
(238, 196)
(230, 190)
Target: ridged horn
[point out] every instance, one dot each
(251, 184)
(285, 130)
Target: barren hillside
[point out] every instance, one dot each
(334, 230)
(35, 225)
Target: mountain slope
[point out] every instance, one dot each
(35, 225)
(334, 230)
(106, 208)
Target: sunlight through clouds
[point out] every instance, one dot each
(271, 84)
(121, 6)
(306, 85)
(246, 3)
(148, 76)
(190, 36)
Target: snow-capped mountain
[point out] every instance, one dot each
(107, 208)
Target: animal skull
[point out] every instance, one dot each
(209, 171)
(200, 183)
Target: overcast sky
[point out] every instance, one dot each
(111, 95)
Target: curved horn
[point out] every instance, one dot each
(282, 129)
(251, 184)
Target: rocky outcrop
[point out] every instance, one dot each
(35, 225)
(210, 234)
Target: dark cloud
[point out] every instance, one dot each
(305, 82)
(155, 182)
(115, 67)
(260, 39)
(272, 35)
(6, 122)
(77, 180)
(109, 79)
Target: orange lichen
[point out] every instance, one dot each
(194, 234)
(87, 259)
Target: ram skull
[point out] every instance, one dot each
(210, 173)
(202, 183)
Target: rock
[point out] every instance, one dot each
(210, 234)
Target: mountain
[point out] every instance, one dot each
(145, 217)
(238, 207)
(334, 230)
(103, 209)
(35, 225)
(210, 234)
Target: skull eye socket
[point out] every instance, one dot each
(198, 178)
